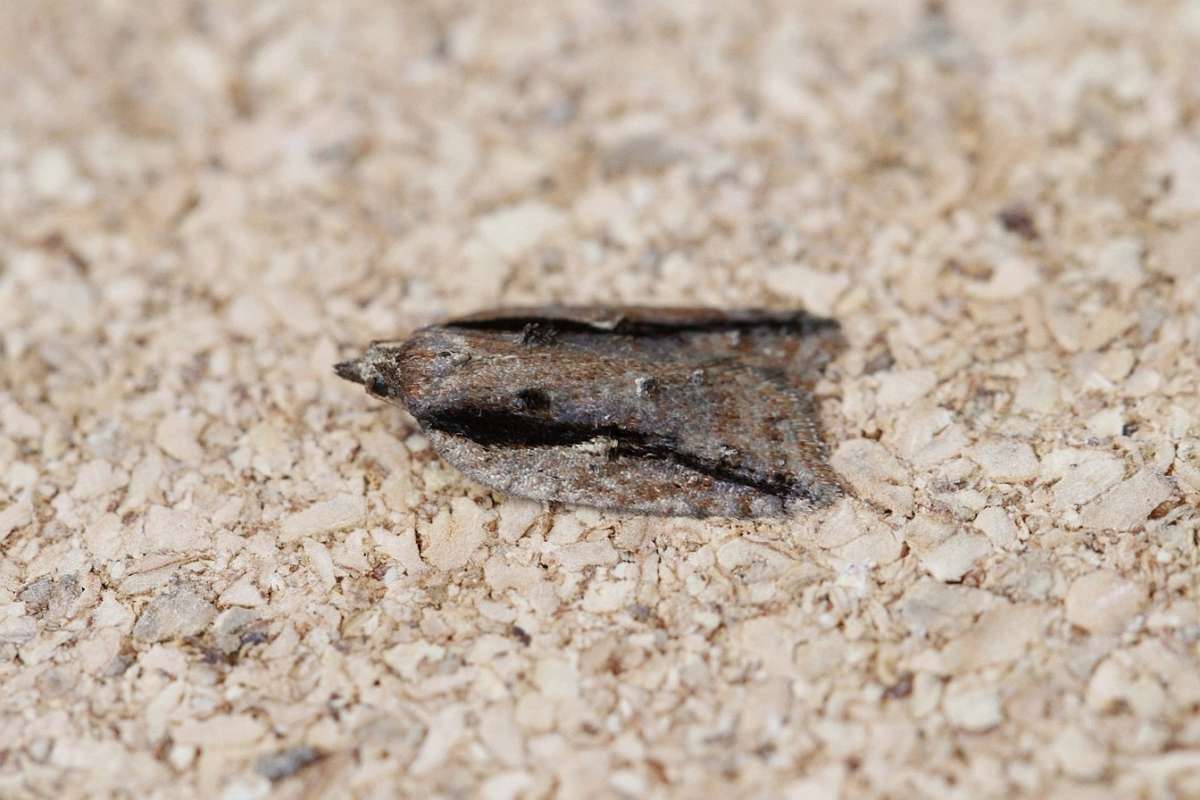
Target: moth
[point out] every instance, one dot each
(666, 411)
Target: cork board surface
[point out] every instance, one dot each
(226, 573)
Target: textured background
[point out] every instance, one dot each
(226, 572)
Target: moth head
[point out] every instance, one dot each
(365, 370)
(421, 373)
(436, 370)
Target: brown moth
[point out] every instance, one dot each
(668, 411)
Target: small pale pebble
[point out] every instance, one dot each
(1174, 668)
(18, 423)
(1106, 424)
(506, 786)
(1078, 755)
(1000, 636)
(1005, 460)
(817, 657)
(203, 65)
(785, 97)
(350, 552)
(1115, 364)
(566, 528)
(1120, 261)
(1038, 392)
(840, 527)
(449, 540)
(243, 593)
(15, 515)
(409, 658)
(51, 172)
(628, 783)
(97, 652)
(21, 476)
(925, 531)
(535, 713)
(222, 730)
(1105, 326)
(145, 482)
(575, 557)
(1180, 423)
(607, 597)
(513, 231)
(517, 516)
(1180, 252)
(1108, 684)
(176, 436)
(1067, 329)
(1102, 602)
(946, 445)
(813, 289)
(296, 309)
(1143, 383)
(105, 538)
(954, 558)
(1010, 278)
(501, 576)
(445, 731)
(248, 316)
(1084, 474)
(900, 388)
(1163, 457)
(1180, 159)
(272, 448)
(401, 548)
(1146, 697)
(973, 709)
(96, 478)
(387, 451)
(343, 511)
(499, 733)
(174, 530)
(768, 642)
(1128, 503)
(17, 630)
(556, 677)
(916, 428)
(753, 560)
(875, 548)
(820, 782)
(965, 503)
(321, 563)
(182, 756)
(996, 525)
(876, 474)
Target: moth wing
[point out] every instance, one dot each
(590, 476)
(741, 443)
(694, 412)
(761, 423)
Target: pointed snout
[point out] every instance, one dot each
(351, 370)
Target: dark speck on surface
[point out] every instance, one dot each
(282, 763)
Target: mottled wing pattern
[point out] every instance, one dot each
(665, 411)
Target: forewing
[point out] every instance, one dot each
(665, 411)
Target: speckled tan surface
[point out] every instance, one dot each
(227, 573)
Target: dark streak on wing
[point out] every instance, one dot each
(497, 428)
(646, 323)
